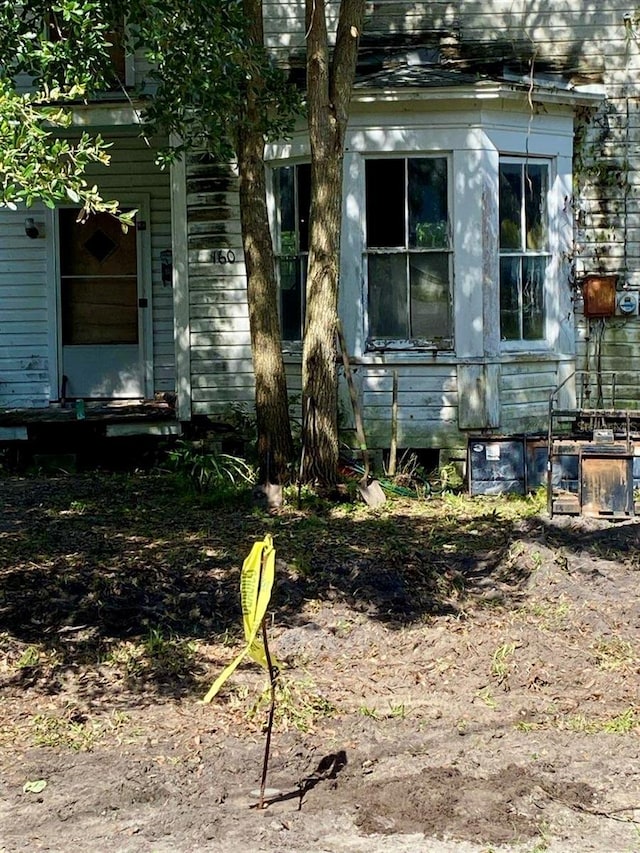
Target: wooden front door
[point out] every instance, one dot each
(99, 298)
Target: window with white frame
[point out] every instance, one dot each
(524, 247)
(408, 249)
(292, 190)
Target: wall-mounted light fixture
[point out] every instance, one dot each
(30, 228)
(166, 266)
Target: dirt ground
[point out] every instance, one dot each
(458, 675)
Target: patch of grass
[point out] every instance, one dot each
(166, 657)
(528, 726)
(73, 731)
(621, 724)
(34, 657)
(614, 654)
(29, 657)
(551, 614)
(298, 705)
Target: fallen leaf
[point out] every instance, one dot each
(35, 786)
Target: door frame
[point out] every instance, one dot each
(141, 202)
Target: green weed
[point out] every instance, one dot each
(501, 663)
(614, 654)
(397, 710)
(366, 711)
(298, 706)
(621, 724)
(208, 471)
(487, 697)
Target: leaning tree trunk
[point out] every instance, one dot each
(329, 85)
(275, 445)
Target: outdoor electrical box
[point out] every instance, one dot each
(496, 466)
(599, 294)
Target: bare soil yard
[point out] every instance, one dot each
(462, 675)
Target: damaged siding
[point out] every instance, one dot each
(607, 211)
(482, 385)
(427, 404)
(221, 365)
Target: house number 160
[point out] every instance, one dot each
(224, 256)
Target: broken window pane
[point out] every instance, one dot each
(385, 191)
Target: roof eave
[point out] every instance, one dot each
(484, 90)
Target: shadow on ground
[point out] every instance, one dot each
(90, 561)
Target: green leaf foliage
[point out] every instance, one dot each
(204, 67)
(51, 54)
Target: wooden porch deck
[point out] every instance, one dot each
(108, 418)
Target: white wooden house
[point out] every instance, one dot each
(491, 162)
(86, 310)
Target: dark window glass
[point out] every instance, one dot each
(407, 230)
(524, 242)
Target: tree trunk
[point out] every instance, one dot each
(329, 84)
(275, 445)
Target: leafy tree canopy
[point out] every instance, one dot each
(204, 64)
(56, 53)
(50, 53)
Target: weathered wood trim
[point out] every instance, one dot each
(180, 284)
(52, 277)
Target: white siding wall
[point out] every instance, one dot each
(24, 341)
(221, 366)
(28, 347)
(589, 43)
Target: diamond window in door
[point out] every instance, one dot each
(99, 271)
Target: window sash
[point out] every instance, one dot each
(408, 244)
(524, 248)
(292, 194)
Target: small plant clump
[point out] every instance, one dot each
(206, 470)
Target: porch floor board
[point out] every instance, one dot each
(100, 411)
